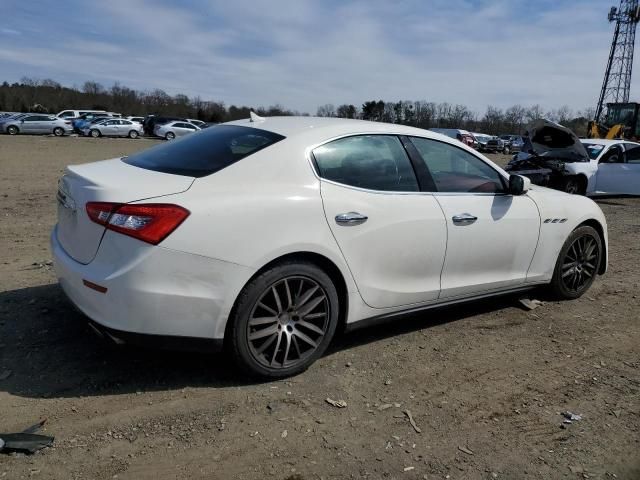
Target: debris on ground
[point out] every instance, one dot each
(408, 469)
(465, 450)
(26, 441)
(336, 403)
(385, 406)
(576, 469)
(530, 304)
(412, 421)
(571, 417)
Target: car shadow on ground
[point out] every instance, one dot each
(48, 350)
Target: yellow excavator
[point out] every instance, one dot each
(621, 122)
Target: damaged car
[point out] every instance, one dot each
(553, 156)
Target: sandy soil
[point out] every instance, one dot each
(485, 383)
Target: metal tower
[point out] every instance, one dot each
(617, 77)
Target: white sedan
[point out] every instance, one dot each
(113, 127)
(613, 169)
(268, 235)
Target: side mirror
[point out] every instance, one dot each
(518, 184)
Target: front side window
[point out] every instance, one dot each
(633, 155)
(374, 162)
(205, 152)
(455, 170)
(593, 149)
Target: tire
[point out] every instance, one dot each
(571, 279)
(58, 131)
(573, 185)
(169, 136)
(133, 134)
(506, 150)
(94, 133)
(13, 130)
(289, 331)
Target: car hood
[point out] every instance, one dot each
(551, 140)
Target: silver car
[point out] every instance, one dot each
(113, 127)
(36, 123)
(171, 130)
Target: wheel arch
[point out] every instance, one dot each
(597, 226)
(323, 262)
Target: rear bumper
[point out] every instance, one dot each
(151, 290)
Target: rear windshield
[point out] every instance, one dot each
(203, 153)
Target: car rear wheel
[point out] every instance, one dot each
(284, 320)
(170, 136)
(133, 134)
(12, 130)
(506, 150)
(577, 264)
(94, 133)
(58, 131)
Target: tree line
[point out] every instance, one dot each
(495, 121)
(49, 96)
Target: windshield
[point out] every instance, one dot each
(204, 152)
(593, 150)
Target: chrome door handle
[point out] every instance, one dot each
(351, 218)
(464, 219)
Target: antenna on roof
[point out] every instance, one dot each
(255, 118)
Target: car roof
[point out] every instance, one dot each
(326, 127)
(605, 141)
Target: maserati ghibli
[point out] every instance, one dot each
(266, 236)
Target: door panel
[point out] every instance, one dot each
(492, 252)
(396, 255)
(618, 178)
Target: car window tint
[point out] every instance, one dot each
(125, 122)
(613, 155)
(374, 162)
(204, 152)
(633, 155)
(455, 170)
(32, 118)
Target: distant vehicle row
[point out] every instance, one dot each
(97, 123)
(482, 142)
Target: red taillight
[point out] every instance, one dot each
(150, 222)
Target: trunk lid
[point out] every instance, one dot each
(105, 181)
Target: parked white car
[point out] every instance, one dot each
(35, 123)
(613, 169)
(171, 130)
(71, 114)
(113, 127)
(198, 123)
(269, 234)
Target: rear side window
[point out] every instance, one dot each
(374, 162)
(205, 152)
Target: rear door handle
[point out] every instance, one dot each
(464, 219)
(351, 219)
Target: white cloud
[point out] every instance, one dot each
(306, 53)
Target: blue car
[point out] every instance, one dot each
(84, 121)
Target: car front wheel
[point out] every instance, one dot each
(283, 320)
(170, 136)
(12, 130)
(95, 133)
(577, 265)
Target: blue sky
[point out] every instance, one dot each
(305, 53)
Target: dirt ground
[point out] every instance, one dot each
(485, 383)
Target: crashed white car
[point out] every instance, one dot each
(613, 167)
(553, 156)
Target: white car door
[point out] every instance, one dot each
(619, 171)
(392, 235)
(491, 235)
